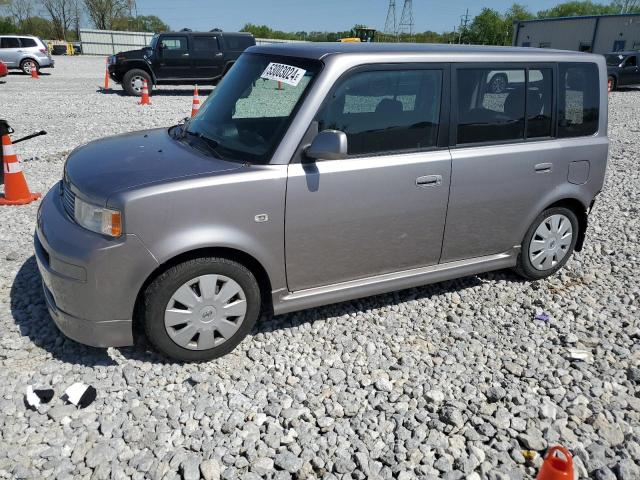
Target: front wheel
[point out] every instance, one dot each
(548, 243)
(133, 81)
(201, 309)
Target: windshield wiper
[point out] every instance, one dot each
(211, 144)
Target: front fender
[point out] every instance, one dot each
(140, 64)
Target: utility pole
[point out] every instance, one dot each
(464, 21)
(390, 24)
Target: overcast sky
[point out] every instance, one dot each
(323, 15)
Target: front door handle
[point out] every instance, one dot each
(543, 167)
(429, 181)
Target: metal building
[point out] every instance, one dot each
(593, 33)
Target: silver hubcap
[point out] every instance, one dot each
(550, 242)
(205, 312)
(137, 83)
(28, 66)
(498, 84)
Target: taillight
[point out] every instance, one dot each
(43, 50)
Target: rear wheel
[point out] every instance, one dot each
(548, 244)
(28, 65)
(133, 81)
(201, 309)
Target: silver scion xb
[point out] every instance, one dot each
(318, 173)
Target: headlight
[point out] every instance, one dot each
(98, 219)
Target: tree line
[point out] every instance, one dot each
(488, 27)
(61, 19)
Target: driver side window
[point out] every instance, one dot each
(174, 46)
(386, 111)
(631, 61)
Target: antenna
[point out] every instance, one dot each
(390, 30)
(406, 20)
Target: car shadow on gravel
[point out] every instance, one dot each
(29, 311)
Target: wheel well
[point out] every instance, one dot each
(580, 211)
(26, 59)
(239, 256)
(139, 66)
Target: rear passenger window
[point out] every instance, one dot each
(539, 103)
(9, 42)
(205, 44)
(491, 105)
(386, 111)
(28, 42)
(579, 102)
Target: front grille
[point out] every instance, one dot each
(68, 199)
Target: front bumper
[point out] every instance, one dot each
(90, 281)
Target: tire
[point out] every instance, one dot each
(498, 84)
(199, 332)
(611, 83)
(132, 82)
(27, 64)
(557, 249)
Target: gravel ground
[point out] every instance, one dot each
(454, 380)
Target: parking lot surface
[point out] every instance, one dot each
(453, 380)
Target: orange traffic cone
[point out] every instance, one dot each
(34, 72)
(145, 95)
(16, 190)
(196, 102)
(106, 76)
(279, 86)
(555, 467)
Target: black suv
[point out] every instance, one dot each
(179, 58)
(623, 68)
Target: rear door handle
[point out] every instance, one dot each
(429, 181)
(543, 167)
(185, 54)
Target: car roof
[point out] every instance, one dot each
(319, 50)
(17, 35)
(624, 52)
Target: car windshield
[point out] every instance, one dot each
(248, 113)
(614, 59)
(153, 42)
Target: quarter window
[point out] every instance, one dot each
(385, 111)
(28, 42)
(579, 100)
(491, 105)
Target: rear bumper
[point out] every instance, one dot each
(90, 281)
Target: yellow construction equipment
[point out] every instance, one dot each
(362, 34)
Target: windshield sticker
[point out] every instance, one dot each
(283, 73)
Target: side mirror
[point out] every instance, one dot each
(328, 145)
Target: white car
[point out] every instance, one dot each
(24, 52)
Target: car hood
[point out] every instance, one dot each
(133, 54)
(101, 168)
